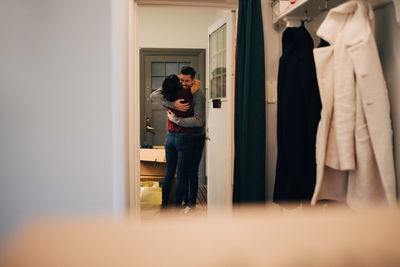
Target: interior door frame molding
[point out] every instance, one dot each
(133, 101)
(133, 116)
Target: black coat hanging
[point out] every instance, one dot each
(299, 107)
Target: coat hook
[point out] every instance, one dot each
(306, 17)
(396, 4)
(325, 7)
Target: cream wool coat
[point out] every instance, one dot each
(354, 151)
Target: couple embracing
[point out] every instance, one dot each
(185, 138)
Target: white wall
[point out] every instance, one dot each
(57, 109)
(175, 27)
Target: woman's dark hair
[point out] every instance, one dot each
(170, 87)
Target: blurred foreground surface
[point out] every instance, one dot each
(248, 236)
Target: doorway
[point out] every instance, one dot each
(155, 65)
(183, 39)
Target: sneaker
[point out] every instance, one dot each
(186, 210)
(184, 203)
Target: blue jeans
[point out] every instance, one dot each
(178, 152)
(190, 196)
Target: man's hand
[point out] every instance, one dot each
(196, 84)
(178, 105)
(171, 115)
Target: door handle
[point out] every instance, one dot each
(148, 126)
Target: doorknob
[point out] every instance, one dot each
(148, 125)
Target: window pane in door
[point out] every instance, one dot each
(220, 42)
(223, 84)
(213, 47)
(158, 68)
(218, 63)
(156, 82)
(171, 68)
(213, 85)
(223, 32)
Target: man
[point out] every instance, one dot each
(187, 79)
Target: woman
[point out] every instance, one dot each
(178, 142)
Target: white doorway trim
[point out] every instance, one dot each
(133, 114)
(133, 109)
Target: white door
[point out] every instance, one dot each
(220, 117)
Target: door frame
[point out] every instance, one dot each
(133, 102)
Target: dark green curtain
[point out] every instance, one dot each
(249, 171)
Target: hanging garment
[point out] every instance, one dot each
(249, 166)
(299, 109)
(354, 141)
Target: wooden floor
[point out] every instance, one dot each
(150, 204)
(202, 196)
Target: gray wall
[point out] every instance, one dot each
(388, 40)
(387, 34)
(272, 44)
(56, 112)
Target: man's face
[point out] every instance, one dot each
(186, 81)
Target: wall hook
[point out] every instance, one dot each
(396, 4)
(306, 17)
(325, 7)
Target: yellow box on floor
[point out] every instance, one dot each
(150, 194)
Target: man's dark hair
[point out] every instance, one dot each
(186, 70)
(170, 87)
